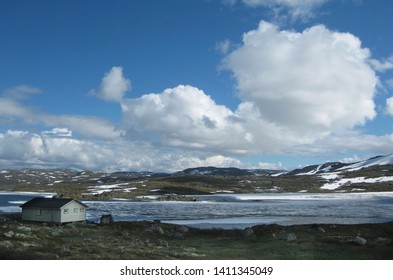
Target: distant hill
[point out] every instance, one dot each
(227, 171)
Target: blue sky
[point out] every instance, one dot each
(167, 85)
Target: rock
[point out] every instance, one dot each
(291, 237)
(182, 229)
(360, 241)
(321, 229)
(159, 230)
(383, 240)
(248, 232)
(56, 231)
(156, 229)
(23, 236)
(9, 234)
(178, 235)
(23, 229)
(106, 219)
(162, 243)
(6, 244)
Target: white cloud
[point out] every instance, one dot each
(346, 142)
(183, 116)
(223, 47)
(382, 66)
(21, 92)
(10, 108)
(305, 83)
(113, 86)
(302, 93)
(389, 106)
(22, 148)
(88, 126)
(297, 9)
(58, 131)
(271, 166)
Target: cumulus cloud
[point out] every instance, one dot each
(296, 9)
(113, 86)
(307, 83)
(183, 116)
(297, 89)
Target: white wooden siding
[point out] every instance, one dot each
(71, 212)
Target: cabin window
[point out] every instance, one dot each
(82, 209)
(75, 210)
(39, 212)
(65, 211)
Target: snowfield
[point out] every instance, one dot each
(349, 181)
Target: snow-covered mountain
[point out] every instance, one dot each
(379, 160)
(342, 167)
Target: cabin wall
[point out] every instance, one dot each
(41, 215)
(73, 212)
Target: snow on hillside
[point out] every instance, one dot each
(348, 181)
(336, 179)
(381, 160)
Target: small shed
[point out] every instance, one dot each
(53, 210)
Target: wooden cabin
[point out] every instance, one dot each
(53, 210)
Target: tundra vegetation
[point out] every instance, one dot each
(155, 240)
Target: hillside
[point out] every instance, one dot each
(374, 174)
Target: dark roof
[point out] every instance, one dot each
(44, 202)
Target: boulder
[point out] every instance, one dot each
(106, 219)
(182, 229)
(383, 240)
(162, 243)
(56, 231)
(291, 237)
(23, 229)
(6, 244)
(248, 232)
(9, 234)
(360, 241)
(159, 230)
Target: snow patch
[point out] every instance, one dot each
(350, 181)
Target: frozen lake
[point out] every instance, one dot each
(240, 211)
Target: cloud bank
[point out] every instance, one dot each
(296, 88)
(301, 93)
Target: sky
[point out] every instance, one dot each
(168, 85)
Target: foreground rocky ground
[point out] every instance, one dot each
(146, 240)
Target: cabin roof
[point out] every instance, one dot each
(44, 202)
